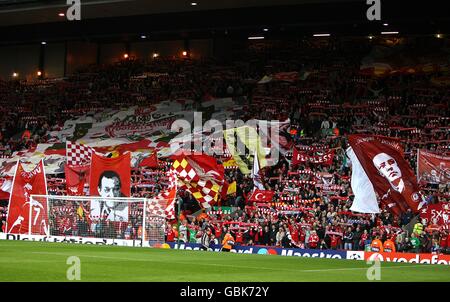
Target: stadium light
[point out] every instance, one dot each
(256, 38)
(321, 35)
(389, 32)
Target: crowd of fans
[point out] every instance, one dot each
(329, 99)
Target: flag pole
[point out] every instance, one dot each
(178, 212)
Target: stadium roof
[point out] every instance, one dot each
(32, 20)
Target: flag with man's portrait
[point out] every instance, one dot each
(391, 177)
(116, 168)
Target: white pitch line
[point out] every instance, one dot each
(235, 266)
(361, 268)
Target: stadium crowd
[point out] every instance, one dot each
(329, 98)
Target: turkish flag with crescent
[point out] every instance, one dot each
(24, 185)
(390, 174)
(262, 195)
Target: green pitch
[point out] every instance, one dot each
(40, 261)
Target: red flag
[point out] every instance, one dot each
(76, 177)
(151, 161)
(262, 195)
(115, 171)
(391, 176)
(24, 185)
(286, 76)
(303, 157)
(432, 168)
(110, 177)
(437, 214)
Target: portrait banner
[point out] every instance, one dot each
(109, 178)
(390, 174)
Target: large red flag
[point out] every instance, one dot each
(151, 161)
(24, 185)
(118, 169)
(432, 168)
(390, 174)
(76, 177)
(109, 178)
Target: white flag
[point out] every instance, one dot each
(365, 198)
(255, 173)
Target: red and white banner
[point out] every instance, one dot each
(76, 177)
(436, 214)
(299, 157)
(110, 177)
(20, 207)
(432, 168)
(389, 173)
(201, 175)
(262, 196)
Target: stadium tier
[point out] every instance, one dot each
(107, 130)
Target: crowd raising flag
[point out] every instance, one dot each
(432, 168)
(390, 175)
(201, 176)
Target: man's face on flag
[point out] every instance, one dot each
(110, 187)
(387, 166)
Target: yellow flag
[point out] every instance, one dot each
(231, 188)
(80, 211)
(246, 138)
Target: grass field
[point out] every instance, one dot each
(40, 261)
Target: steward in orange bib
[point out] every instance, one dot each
(376, 245)
(227, 242)
(389, 246)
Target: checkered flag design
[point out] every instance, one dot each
(205, 192)
(185, 171)
(163, 204)
(78, 154)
